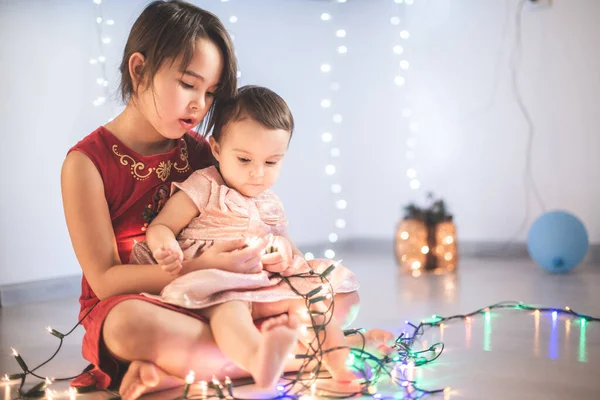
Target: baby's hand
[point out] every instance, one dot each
(169, 256)
(278, 255)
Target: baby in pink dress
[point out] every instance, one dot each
(249, 142)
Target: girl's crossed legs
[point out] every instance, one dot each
(162, 345)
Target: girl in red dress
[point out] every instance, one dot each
(178, 65)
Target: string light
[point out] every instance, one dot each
(189, 380)
(328, 136)
(399, 366)
(400, 80)
(103, 40)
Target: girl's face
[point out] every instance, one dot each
(181, 99)
(250, 155)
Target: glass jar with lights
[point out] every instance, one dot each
(425, 240)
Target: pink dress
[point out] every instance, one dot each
(225, 214)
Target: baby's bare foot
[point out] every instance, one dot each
(279, 335)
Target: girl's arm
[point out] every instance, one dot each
(92, 235)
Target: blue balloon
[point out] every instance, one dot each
(557, 241)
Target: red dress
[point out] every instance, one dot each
(136, 188)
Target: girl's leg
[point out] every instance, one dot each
(264, 353)
(174, 343)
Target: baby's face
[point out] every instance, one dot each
(250, 155)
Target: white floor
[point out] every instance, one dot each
(511, 355)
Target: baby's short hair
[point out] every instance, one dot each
(257, 103)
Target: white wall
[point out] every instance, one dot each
(475, 136)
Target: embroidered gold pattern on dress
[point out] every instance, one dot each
(184, 157)
(164, 170)
(136, 166)
(138, 169)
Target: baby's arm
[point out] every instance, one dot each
(161, 235)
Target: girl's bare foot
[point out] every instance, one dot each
(144, 377)
(279, 335)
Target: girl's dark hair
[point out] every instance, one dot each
(167, 29)
(257, 103)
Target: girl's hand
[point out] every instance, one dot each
(233, 256)
(278, 256)
(169, 256)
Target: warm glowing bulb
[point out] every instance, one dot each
(416, 265)
(342, 49)
(6, 378)
(325, 17)
(191, 376)
(49, 329)
(340, 33)
(14, 352)
(395, 21)
(404, 34)
(233, 19)
(330, 169)
(325, 103)
(326, 137)
(309, 256)
(337, 118)
(468, 319)
(404, 235)
(329, 253)
(449, 240)
(398, 49)
(325, 68)
(568, 308)
(425, 249)
(448, 256)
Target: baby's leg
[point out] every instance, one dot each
(263, 354)
(330, 338)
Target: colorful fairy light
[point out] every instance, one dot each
(401, 365)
